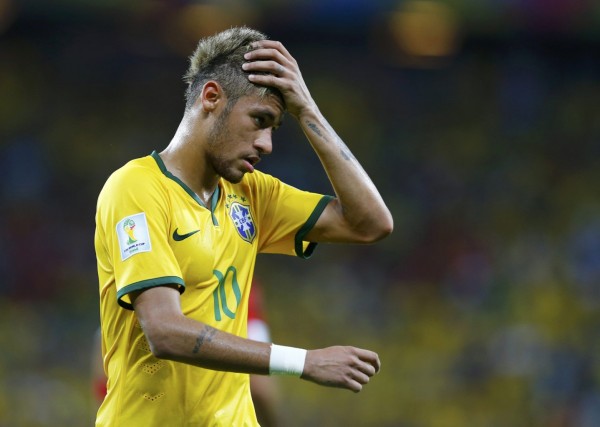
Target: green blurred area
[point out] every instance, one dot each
(484, 303)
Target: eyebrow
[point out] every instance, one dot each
(268, 112)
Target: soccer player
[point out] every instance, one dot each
(177, 234)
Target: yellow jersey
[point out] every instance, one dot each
(152, 230)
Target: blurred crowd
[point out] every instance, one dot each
(484, 304)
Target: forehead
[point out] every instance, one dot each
(269, 104)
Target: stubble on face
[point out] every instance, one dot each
(222, 141)
(218, 137)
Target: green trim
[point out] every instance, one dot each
(147, 284)
(215, 196)
(213, 205)
(308, 225)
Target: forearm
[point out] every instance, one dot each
(360, 203)
(185, 340)
(207, 347)
(173, 336)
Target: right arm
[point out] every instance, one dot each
(173, 336)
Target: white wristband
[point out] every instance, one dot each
(286, 360)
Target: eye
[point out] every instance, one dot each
(259, 121)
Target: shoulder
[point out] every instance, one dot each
(133, 180)
(142, 168)
(262, 183)
(257, 178)
(253, 185)
(133, 173)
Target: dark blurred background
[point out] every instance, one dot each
(479, 120)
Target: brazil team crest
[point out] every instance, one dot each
(242, 219)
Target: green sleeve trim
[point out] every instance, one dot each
(147, 284)
(308, 225)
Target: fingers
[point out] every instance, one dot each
(267, 61)
(359, 376)
(361, 379)
(355, 386)
(363, 364)
(272, 67)
(366, 365)
(270, 64)
(369, 357)
(269, 57)
(268, 68)
(273, 52)
(269, 47)
(367, 369)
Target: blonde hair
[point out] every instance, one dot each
(220, 58)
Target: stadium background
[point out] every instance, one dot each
(479, 120)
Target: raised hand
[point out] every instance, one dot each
(283, 73)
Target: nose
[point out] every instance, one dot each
(264, 142)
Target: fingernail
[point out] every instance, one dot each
(247, 56)
(245, 65)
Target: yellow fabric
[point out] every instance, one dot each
(152, 212)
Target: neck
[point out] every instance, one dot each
(184, 157)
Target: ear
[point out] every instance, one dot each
(211, 96)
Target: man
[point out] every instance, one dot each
(177, 234)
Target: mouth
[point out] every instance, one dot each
(250, 162)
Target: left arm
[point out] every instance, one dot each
(358, 214)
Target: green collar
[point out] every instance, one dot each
(214, 199)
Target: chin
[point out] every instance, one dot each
(234, 178)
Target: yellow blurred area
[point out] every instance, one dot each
(194, 21)
(425, 28)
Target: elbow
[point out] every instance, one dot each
(381, 225)
(159, 342)
(160, 349)
(385, 229)
(378, 230)
(382, 231)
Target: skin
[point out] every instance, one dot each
(209, 145)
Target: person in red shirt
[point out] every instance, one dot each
(264, 389)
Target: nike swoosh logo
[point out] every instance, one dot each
(179, 237)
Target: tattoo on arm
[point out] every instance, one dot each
(314, 128)
(344, 151)
(205, 336)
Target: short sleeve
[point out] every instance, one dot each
(287, 214)
(133, 219)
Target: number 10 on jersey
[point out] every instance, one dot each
(227, 281)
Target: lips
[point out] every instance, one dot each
(248, 166)
(250, 162)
